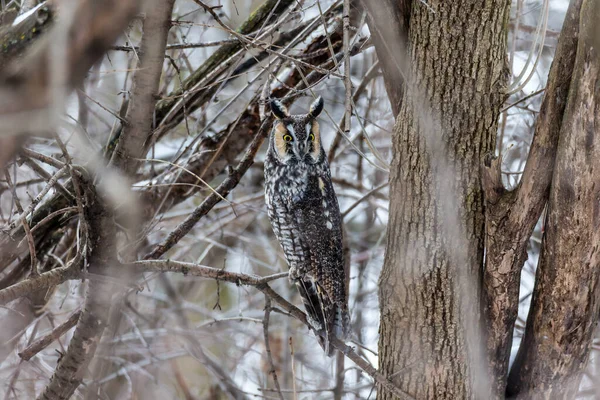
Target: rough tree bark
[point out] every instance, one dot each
(429, 286)
(565, 304)
(511, 215)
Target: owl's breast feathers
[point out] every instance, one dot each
(305, 216)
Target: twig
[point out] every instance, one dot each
(81, 248)
(523, 99)
(347, 80)
(340, 375)
(43, 158)
(45, 341)
(23, 219)
(540, 36)
(204, 271)
(371, 73)
(262, 284)
(329, 45)
(50, 216)
(363, 198)
(43, 173)
(291, 342)
(273, 372)
(39, 197)
(181, 46)
(220, 192)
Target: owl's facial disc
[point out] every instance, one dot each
(298, 138)
(282, 141)
(313, 139)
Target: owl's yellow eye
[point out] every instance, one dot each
(311, 137)
(287, 138)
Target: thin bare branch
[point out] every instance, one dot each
(43, 342)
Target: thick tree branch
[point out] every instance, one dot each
(102, 230)
(146, 80)
(40, 282)
(511, 216)
(16, 39)
(388, 22)
(566, 299)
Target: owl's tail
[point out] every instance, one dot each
(328, 319)
(312, 303)
(338, 326)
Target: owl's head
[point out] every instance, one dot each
(297, 137)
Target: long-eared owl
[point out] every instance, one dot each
(305, 216)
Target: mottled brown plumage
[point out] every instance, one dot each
(305, 216)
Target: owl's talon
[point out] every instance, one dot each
(293, 274)
(314, 324)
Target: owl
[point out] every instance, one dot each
(305, 216)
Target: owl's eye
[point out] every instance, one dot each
(287, 138)
(311, 137)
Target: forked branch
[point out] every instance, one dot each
(511, 215)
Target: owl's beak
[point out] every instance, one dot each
(302, 150)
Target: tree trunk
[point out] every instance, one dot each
(511, 216)
(565, 304)
(430, 284)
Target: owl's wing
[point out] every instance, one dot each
(318, 217)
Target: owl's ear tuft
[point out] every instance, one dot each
(278, 109)
(316, 107)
